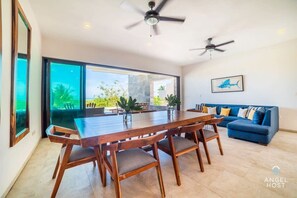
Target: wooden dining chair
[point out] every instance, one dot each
(205, 135)
(127, 159)
(176, 145)
(71, 154)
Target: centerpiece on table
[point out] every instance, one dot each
(172, 102)
(128, 106)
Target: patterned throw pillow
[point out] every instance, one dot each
(212, 110)
(250, 108)
(242, 113)
(251, 114)
(225, 111)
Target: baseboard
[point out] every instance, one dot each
(288, 130)
(20, 171)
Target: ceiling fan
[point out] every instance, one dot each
(152, 16)
(211, 46)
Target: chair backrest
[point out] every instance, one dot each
(63, 139)
(69, 106)
(214, 121)
(192, 128)
(137, 143)
(185, 129)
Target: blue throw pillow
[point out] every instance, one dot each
(258, 117)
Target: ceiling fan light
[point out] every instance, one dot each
(152, 20)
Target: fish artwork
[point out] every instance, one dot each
(227, 84)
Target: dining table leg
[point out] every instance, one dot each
(100, 161)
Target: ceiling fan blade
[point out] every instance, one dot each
(224, 43)
(161, 5)
(197, 49)
(219, 50)
(162, 18)
(128, 6)
(128, 27)
(156, 30)
(203, 52)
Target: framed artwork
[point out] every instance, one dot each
(227, 84)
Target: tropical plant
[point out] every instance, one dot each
(110, 94)
(62, 95)
(158, 101)
(161, 88)
(128, 105)
(172, 100)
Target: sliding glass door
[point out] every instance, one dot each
(64, 93)
(72, 90)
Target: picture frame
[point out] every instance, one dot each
(227, 84)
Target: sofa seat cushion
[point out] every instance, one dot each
(78, 153)
(132, 159)
(232, 118)
(248, 126)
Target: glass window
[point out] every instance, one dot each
(76, 90)
(65, 93)
(105, 86)
(21, 95)
(65, 81)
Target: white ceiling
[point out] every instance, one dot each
(252, 24)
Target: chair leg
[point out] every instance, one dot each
(220, 145)
(103, 176)
(206, 152)
(58, 181)
(117, 187)
(200, 159)
(56, 168)
(176, 169)
(160, 179)
(94, 163)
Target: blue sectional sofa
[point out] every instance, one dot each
(243, 128)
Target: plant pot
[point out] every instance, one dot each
(127, 117)
(170, 111)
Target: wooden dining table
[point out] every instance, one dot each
(95, 131)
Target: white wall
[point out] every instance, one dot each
(70, 50)
(12, 160)
(270, 78)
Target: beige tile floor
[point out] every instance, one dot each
(239, 173)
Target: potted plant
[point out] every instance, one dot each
(128, 106)
(172, 102)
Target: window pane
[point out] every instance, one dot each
(21, 95)
(103, 90)
(104, 87)
(161, 87)
(65, 93)
(65, 86)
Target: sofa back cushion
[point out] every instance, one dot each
(225, 111)
(258, 117)
(212, 110)
(242, 113)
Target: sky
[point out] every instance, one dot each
(69, 75)
(95, 78)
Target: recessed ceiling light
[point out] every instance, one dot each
(87, 26)
(281, 31)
